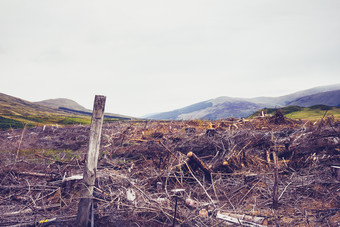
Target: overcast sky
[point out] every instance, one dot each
(154, 56)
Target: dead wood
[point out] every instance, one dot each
(134, 181)
(30, 210)
(242, 219)
(276, 182)
(34, 174)
(192, 157)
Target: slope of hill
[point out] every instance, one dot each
(212, 109)
(70, 106)
(61, 102)
(219, 110)
(173, 115)
(329, 98)
(12, 106)
(286, 99)
(223, 107)
(16, 112)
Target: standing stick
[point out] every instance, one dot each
(20, 141)
(276, 181)
(91, 161)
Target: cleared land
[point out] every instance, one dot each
(141, 162)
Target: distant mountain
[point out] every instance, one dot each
(70, 106)
(286, 99)
(329, 98)
(223, 107)
(61, 102)
(218, 108)
(173, 115)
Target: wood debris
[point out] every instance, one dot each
(228, 177)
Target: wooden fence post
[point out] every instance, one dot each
(91, 161)
(276, 180)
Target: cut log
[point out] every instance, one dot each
(242, 219)
(199, 162)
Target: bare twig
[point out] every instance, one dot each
(211, 200)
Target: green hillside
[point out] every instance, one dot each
(16, 113)
(306, 113)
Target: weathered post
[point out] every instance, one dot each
(276, 181)
(91, 161)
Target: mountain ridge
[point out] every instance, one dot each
(68, 105)
(61, 102)
(225, 106)
(16, 112)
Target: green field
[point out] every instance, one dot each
(18, 113)
(306, 113)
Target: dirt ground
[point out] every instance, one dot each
(141, 164)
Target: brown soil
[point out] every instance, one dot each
(142, 162)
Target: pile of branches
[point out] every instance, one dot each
(192, 173)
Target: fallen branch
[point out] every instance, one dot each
(30, 210)
(244, 220)
(33, 187)
(46, 221)
(166, 148)
(34, 174)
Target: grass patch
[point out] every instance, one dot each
(50, 155)
(32, 118)
(110, 120)
(315, 114)
(60, 155)
(74, 121)
(284, 110)
(7, 123)
(308, 113)
(18, 121)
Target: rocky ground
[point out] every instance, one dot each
(230, 173)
